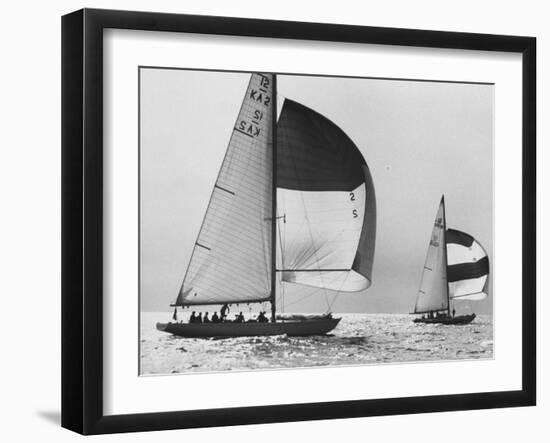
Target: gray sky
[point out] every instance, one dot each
(420, 140)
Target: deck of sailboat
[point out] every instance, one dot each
(316, 326)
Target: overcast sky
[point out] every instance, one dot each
(420, 140)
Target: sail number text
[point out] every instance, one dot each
(352, 198)
(259, 96)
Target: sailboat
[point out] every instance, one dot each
(298, 186)
(456, 268)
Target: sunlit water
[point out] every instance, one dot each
(358, 339)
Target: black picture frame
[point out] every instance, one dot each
(82, 220)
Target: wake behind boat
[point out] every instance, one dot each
(456, 268)
(294, 201)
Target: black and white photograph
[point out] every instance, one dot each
(296, 221)
(268, 222)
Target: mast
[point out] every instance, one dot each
(445, 255)
(274, 199)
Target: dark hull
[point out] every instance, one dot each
(458, 320)
(319, 326)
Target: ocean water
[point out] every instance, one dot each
(358, 339)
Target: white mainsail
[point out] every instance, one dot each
(433, 292)
(231, 260)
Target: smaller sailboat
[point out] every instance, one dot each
(456, 268)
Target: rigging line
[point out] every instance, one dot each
(307, 252)
(282, 233)
(313, 244)
(281, 241)
(312, 247)
(311, 294)
(339, 290)
(282, 262)
(310, 231)
(281, 287)
(301, 259)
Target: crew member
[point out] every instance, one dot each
(224, 311)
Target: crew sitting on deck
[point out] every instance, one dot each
(199, 317)
(262, 318)
(215, 318)
(239, 318)
(206, 319)
(193, 318)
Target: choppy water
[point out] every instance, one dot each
(358, 339)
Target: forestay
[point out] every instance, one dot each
(231, 260)
(325, 202)
(433, 292)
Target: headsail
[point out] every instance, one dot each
(433, 292)
(326, 195)
(468, 267)
(231, 260)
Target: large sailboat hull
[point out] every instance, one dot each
(458, 320)
(319, 326)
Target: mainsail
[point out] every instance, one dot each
(468, 267)
(325, 203)
(433, 292)
(231, 259)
